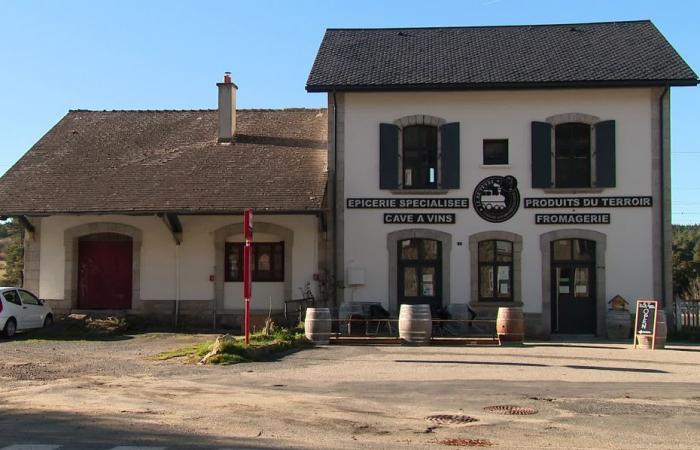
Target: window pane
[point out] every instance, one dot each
(581, 288)
(503, 277)
(562, 250)
(573, 155)
(233, 262)
(583, 250)
(495, 151)
(430, 249)
(486, 281)
(428, 282)
(409, 250)
(420, 156)
(28, 299)
(12, 297)
(264, 264)
(504, 251)
(564, 280)
(410, 282)
(486, 251)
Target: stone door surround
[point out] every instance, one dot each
(392, 241)
(71, 237)
(226, 231)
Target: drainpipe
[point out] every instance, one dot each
(177, 284)
(662, 207)
(335, 199)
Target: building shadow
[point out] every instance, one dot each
(77, 431)
(617, 369)
(481, 363)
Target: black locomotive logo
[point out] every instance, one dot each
(496, 199)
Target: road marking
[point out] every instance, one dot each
(31, 447)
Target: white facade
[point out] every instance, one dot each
(189, 272)
(630, 268)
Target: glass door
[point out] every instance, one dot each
(419, 272)
(573, 287)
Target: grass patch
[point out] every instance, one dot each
(233, 350)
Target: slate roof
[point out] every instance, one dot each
(569, 55)
(170, 161)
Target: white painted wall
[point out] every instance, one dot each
(158, 276)
(502, 115)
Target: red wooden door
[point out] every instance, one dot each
(104, 274)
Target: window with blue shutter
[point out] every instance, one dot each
(541, 155)
(388, 156)
(605, 153)
(449, 140)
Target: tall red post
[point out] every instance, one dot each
(247, 260)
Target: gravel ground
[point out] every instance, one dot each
(587, 395)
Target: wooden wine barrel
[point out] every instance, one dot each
(415, 324)
(661, 333)
(619, 324)
(510, 325)
(317, 325)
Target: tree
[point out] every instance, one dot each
(15, 254)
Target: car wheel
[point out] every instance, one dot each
(48, 321)
(10, 328)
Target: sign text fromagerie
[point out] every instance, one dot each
(425, 218)
(407, 203)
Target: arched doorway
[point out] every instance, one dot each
(432, 249)
(105, 262)
(573, 289)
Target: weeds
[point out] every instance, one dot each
(226, 349)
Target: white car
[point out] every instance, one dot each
(22, 310)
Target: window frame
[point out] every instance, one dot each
(573, 117)
(494, 264)
(402, 142)
(274, 275)
(572, 159)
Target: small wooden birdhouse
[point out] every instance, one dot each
(618, 303)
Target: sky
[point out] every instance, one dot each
(153, 54)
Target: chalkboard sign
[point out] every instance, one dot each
(645, 322)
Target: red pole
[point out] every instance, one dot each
(247, 279)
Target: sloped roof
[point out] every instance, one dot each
(170, 161)
(569, 55)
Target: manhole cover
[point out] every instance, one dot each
(447, 419)
(511, 410)
(464, 442)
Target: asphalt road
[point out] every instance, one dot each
(106, 394)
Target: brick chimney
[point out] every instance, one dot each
(227, 109)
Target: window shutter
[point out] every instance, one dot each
(388, 156)
(541, 155)
(605, 153)
(449, 142)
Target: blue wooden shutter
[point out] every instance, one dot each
(449, 142)
(388, 156)
(541, 155)
(605, 153)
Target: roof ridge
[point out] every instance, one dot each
(492, 26)
(299, 109)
